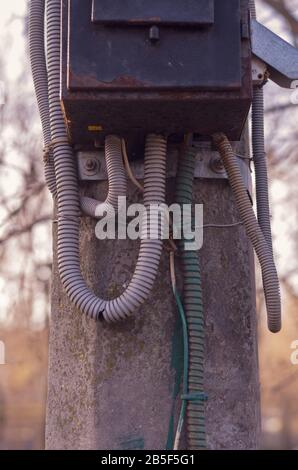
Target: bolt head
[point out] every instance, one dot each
(216, 165)
(91, 164)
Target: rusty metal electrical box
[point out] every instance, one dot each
(170, 66)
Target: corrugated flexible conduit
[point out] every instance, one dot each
(113, 150)
(193, 305)
(116, 178)
(40, 79)
(254, 232)
(68, 191)
(150, 250)
(259, 155)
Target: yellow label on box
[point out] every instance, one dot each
(95, 128)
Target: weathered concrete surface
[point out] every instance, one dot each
(111, 387)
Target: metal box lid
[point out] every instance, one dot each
(117, 56)
(116, 80)
(136, 12)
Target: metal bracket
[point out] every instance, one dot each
(280, 57)
(92, 166)
(259, 71)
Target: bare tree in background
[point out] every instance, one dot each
(282, 139)
(279, 377)
(25, 255)
(25, 204)
(288, 9)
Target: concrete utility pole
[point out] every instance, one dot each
(113, 387)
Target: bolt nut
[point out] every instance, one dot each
(216, 165)
(91, 166)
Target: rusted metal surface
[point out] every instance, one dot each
(184, 58)
(134, 102)
(92, 164)
(136, 12)
(90, 81)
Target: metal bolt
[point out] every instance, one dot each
(90, 164)
(216, 165)
(154, 34)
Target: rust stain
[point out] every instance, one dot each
(152, 19)
(127, 81)
(90, 81)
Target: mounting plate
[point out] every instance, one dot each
(207, 165)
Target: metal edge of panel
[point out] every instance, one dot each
(206, 18)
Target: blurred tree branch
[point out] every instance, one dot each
(282, 8)
(26, 198)
(17, 231)
(279, 108)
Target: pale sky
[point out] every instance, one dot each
(13, 27)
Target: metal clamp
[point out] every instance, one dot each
(280, 57)
(92, 166)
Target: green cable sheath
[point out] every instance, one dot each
(185, 361)
(194, 397)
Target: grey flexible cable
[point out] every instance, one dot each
(254, 232)
(259, 155)
(150, 250)
(252, 7)
(116, 178)
(260, 164)
(113, 150)
(40, 80)
(69, 204)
